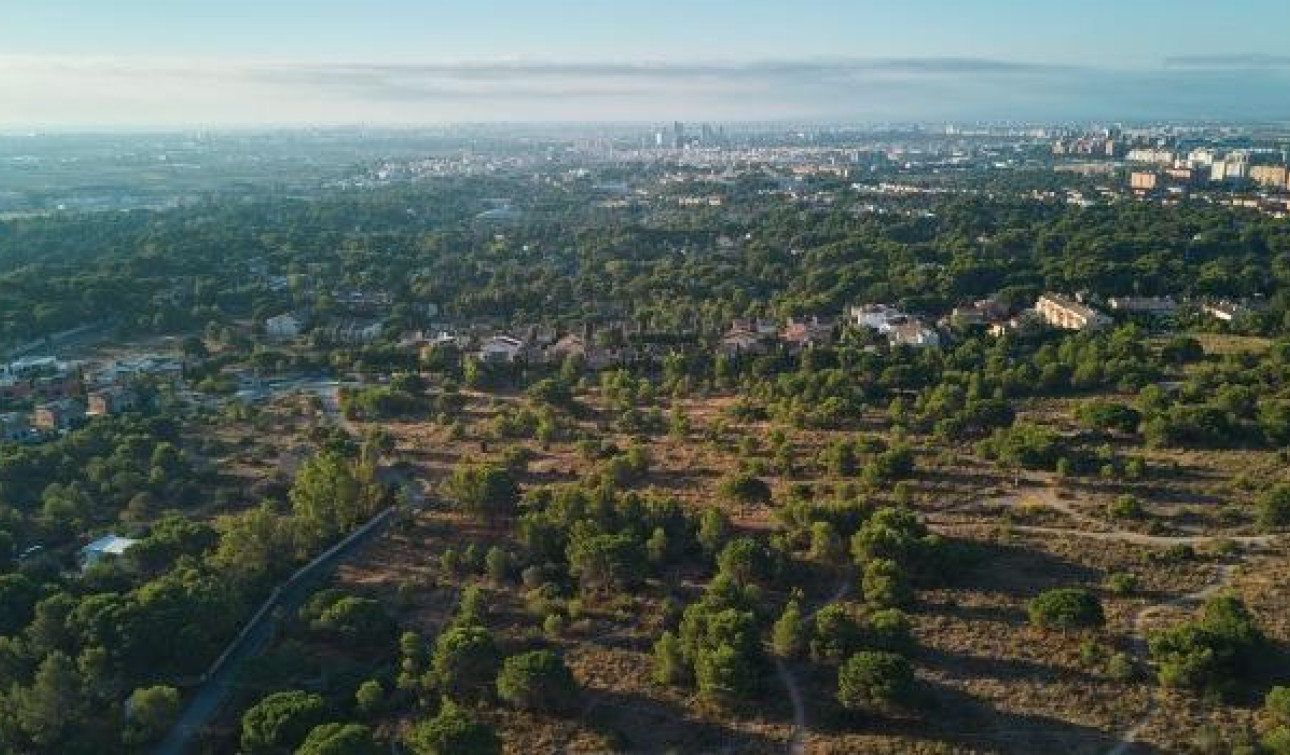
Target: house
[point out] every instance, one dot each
(737, 342)
(1227, 311)
(284, 327)
(571, 345)
(913, 333)
(1026, 322)
(14, 427)
(979, 313)
(878, 317)
(900, 329)
(1143, 305)
(807, 334)
(748, 336)
(106, 547)
(1061, 312)
(355, 332)
(57, 415)
(500, 350)
(111, 400)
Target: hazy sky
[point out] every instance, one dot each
(171, 62)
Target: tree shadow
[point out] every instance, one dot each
(955, 719)
(639, 724)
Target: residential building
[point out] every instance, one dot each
(106, 547)
(284, 327)
(57, 415)
(1270, 176)
(1143, 305)
(501, 350)
(876, 316)
(111, 400)
(14, 427)
(1144, 180)
(913, 333)
(1227, 311)
(807, 333)
(1069, 314)
(980, 312)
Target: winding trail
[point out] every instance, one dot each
(789, 679)
(1224, 578)
(1047, 497)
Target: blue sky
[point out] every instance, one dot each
(69, 62)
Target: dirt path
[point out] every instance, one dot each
(1140, 623)
(1047, 497)
(789, 679)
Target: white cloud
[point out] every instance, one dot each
(70, 91)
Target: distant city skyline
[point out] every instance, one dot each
(81, 63)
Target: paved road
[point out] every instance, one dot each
(207, 699)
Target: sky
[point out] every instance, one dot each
(94, 63)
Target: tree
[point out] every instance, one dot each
(789, 635)
(53, 707)
(552, 392)
(826, 545)
(714, 529)
(484, 489)
(1211, 652)
(151, 711)
(744, 560)
(744, 489)
(339, 739)
(890, 629)
(329, 496)
(280, 721)
(669, 661)
(362, 622)
(18, 596)
(453, 732)
(835, 635)
(537, 680)
(874, 681)
(369, 698)
(604, 562)
(885, 585)
(465, 661)
(1066, 608)
(723, 674)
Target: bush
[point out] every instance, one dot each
(537, 680)
(1274, 508)
(1125, 507)
(1066, 608)
(875, 681)
(453, 732)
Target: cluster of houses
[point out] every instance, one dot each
(57, 395)
(291, 325)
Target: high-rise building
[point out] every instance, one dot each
(678, 135)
